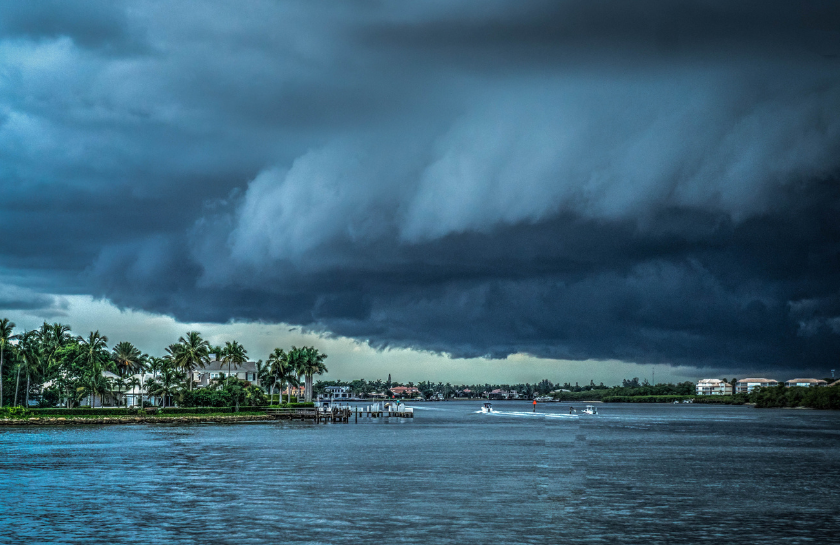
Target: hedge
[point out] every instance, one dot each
(84, 411)
(301, 405)
(121, 411)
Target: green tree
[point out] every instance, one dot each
(194, 352)
(6, 329)
(96, 360)
(130, 384)
(233, 386)
(127, 358)
(30, 360)
(283, 371)
(217, 351)
(234, 354)
(166, 384)
(311, 363)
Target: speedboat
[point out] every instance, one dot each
(590, 410)
(488, 408)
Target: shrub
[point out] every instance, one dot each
(205, 397)
(302, 405)
(84, 411)
(194, 410)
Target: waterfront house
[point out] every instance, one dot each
(296, 391)
(713, 387)
(747, 385)
(336, 393)
(218, 370)
(503, 394)
(805, 382)
(405, 391)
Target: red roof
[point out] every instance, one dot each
(404, 389)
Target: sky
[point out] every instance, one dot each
(474, 191)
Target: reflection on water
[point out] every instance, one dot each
(633, 474)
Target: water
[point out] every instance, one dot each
(633, 474)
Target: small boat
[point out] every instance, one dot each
(488, 408)
(590, 410)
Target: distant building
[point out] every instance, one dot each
(805, 382)
(336, 392)
(503, 394)
(747, 385)
(835, 383)
(713, 387)
(405, 391)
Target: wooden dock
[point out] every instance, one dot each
(340, 414)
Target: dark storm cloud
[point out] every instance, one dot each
(652, 182)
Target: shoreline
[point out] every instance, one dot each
(180, 419)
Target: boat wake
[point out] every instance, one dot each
(527, 414)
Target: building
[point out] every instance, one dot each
(503, 394)
(805, 382)
(747, 385)
(405, 391)
(215, 370)
(713, 387)
(336, 393)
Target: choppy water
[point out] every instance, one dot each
(633, 474)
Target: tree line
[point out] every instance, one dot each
(73, 369)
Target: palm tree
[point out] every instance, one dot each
(130, 384)
(156, 365)
(97, 384)
(217, 351)
(308, 362)
(194, 352)
(53, 337)
(96, 359)
(234, 354)
(166, 384)
(262, 373)
(6, 328)
(120, 384)
(30, 358)
(127, 358)
(282, 371)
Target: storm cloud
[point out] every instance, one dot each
(648, 182)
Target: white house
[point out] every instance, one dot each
(713, 387)
(204, 376)
(805, 382)
(336, 393)
(747, 385)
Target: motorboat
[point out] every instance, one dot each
(487, 408)
(590, 409)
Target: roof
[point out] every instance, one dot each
(756, 380)
(712, 380)
(397, 389)
(216, 365)
(808, 380)
(835, 383)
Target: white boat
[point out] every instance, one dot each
(590, 410)
(488, 408)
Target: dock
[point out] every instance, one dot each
(342, 414)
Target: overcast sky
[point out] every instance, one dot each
(557, 189)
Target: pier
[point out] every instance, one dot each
(342, 414)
